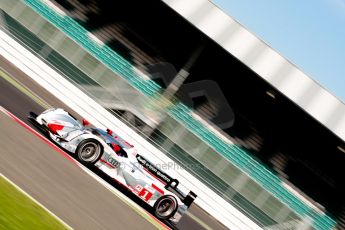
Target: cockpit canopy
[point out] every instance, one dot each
(115, 142)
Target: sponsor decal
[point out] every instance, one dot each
(111, 160)
(152, 169)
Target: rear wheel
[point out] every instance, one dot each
(165, 207)
(89, 151)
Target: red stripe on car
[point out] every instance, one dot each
(158, 189)
(107, 163)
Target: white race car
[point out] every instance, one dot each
(118, 159)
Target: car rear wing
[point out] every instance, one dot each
(171, 184)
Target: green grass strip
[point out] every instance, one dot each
(18, 211)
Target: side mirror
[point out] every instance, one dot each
(85, 122)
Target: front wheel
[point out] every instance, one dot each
(165, 207)
(89, 151)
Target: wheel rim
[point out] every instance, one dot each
(89, 152)
(165, 207)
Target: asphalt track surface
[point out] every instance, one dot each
(56, 182)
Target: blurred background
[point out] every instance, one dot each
(294, 160)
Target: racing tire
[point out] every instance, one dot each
(165, 207)
(89, 151)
